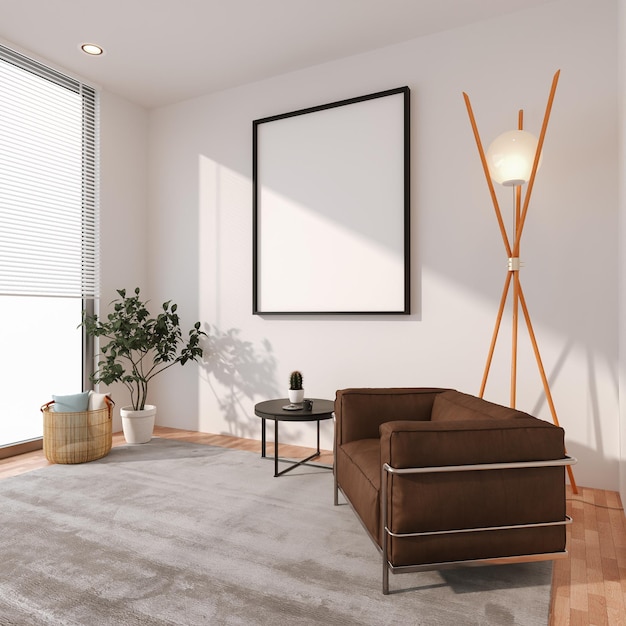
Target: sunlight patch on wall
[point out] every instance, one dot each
(224, 215)
(344, 285)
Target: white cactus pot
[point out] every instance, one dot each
(296, 396)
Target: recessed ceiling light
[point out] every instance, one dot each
(92, 49)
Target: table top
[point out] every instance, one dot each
(273, 410)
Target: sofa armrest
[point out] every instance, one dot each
(426, 444)
(473, 499)
(359, 412)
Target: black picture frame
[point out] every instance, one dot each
(331, 208)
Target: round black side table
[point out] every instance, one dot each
(273, 410)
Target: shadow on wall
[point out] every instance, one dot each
(594, 471)
(237, 371)
(596, 457)
(595, 462)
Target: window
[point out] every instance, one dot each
(49, 264)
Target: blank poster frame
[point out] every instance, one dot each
(331, 208)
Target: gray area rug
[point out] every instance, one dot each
(178, 533)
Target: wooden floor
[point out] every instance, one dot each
(589, 586)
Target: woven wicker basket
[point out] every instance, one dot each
(77, 437)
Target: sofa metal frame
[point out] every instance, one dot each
(405, 569)
(388, 567)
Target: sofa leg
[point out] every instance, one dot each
(383, 530)
(385, 578)
(335, 485)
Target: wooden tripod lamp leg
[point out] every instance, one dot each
(494, 337)
(483, 160)
(531, 181)
(514, 337)
(544, 378)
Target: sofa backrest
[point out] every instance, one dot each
(360, 412)
(456, 406)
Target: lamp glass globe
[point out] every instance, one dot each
(510, 157)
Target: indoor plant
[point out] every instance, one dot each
(140, 347)
(296, 391)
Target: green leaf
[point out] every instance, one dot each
(140, 346)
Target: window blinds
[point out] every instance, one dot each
(48, 182)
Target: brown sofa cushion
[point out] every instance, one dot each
(454, 405)
(444, 501)
(424, 444)
(369, 408)
(358, 464)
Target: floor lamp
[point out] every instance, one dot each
(512, 160)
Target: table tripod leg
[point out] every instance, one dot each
(275, 448)
(263, 438)
(318, 437)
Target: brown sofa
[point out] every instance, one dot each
(440, 478)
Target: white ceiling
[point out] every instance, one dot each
(162, 51)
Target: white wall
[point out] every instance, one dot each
(200, 234)
(123, 206)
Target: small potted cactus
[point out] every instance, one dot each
(296, 392)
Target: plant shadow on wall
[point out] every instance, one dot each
(237, 372)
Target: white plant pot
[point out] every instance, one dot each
(296, 396)
(138, 425)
